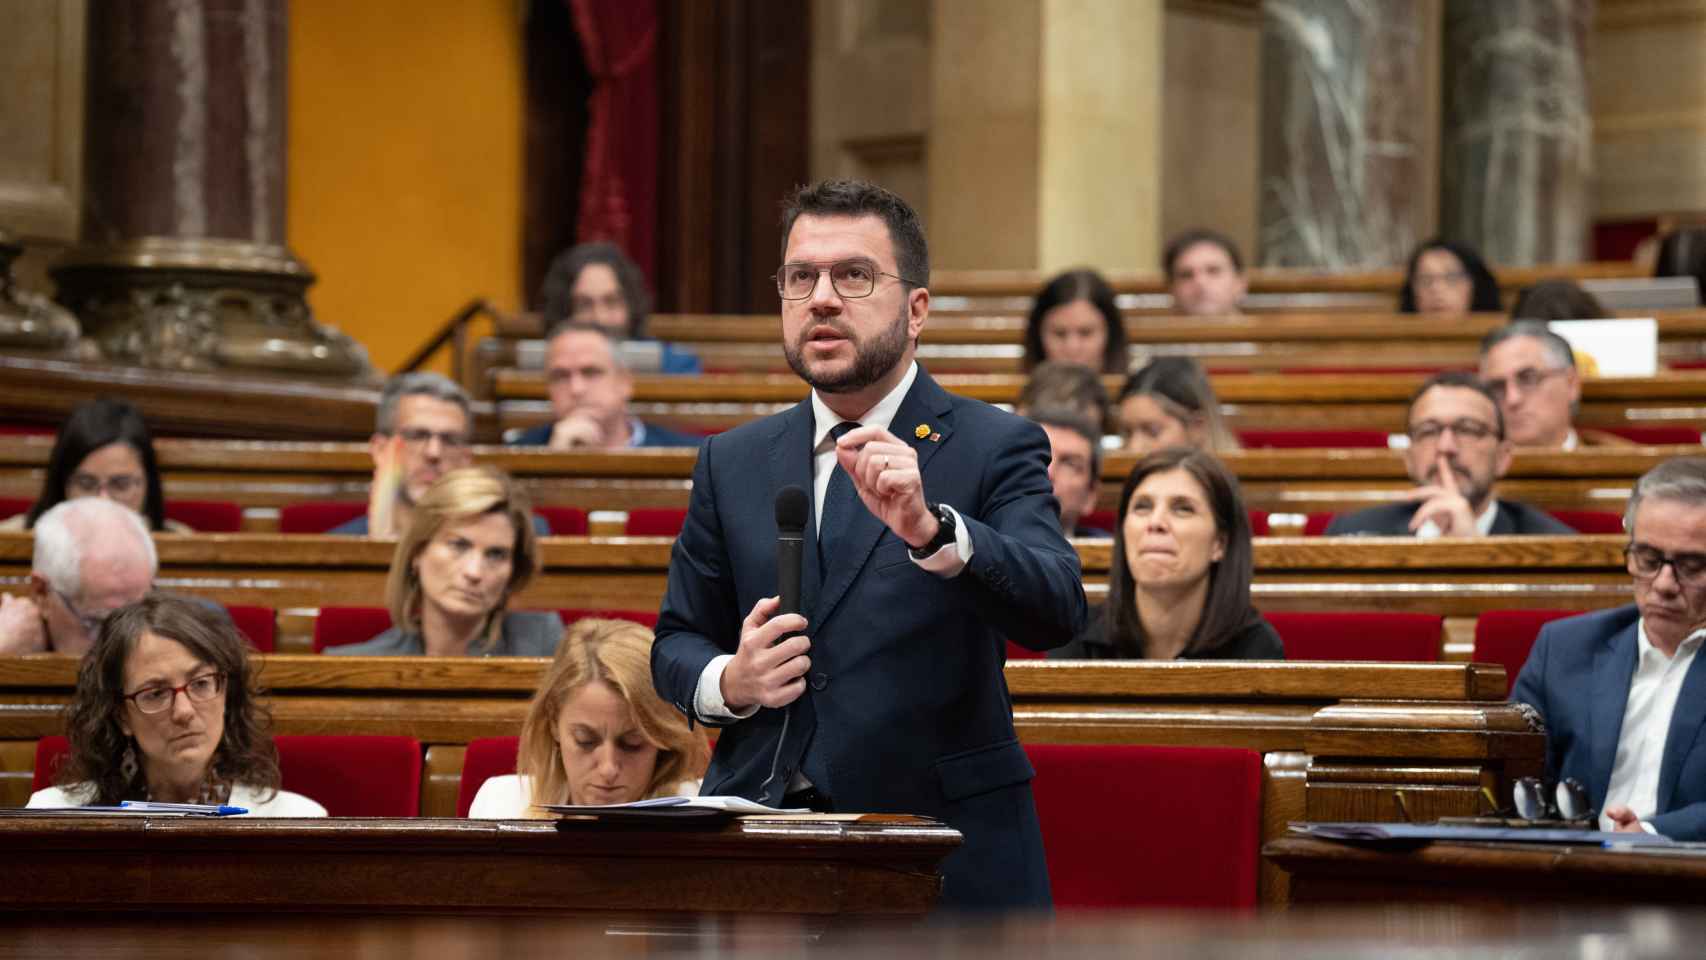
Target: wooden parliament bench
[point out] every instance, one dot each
(1339, 741)
(263, 476)
(1339, 401)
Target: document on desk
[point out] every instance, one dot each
(1423, 832)
(131, 808)
(668, 808)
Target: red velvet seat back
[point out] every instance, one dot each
(1312, 439)
(645, 618)
(256, 623)
(351, 776)
(1505, 637)
(1139, 826)
(317, 516)
(206, 516)
(1315, 524)
(1016, 652)
(12, 506)
(1590, 521)
(354, 776)
(655, 522)
(564, 521)
(1359, 636)
(487, 757)
(1658, 436)
(336, 626)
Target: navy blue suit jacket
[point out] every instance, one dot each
(1578, 676)
(656, 436)
(906, 709)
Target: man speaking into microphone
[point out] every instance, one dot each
(933, 535)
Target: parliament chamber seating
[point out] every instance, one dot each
(1504, 637)
(1590, 521)
(351, 775)
(564, 521)
(1358, 635)
(1128, 826)
(202, 516)
(655, 522)
(341, 626)
(486, 757)
(318, 516)
(258, 624)
(1312, 439)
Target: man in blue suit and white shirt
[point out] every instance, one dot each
(934, 530)
(1623, 691)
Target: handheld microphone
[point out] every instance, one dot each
(792, 510)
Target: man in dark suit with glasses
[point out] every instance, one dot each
(1457, 452)
(1623, 691)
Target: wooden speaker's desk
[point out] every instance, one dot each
(873, 867)
(1510, 874)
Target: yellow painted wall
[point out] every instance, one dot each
(405, 163)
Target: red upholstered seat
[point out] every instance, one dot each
(1359, 636)
(351, 776)
(317, 516)
(1140, 826)
(655, 522)
(645, 618)
(564, 521)
(1313, 439)
(1505, 637)
(1658, 436)
(1258, 523)
(354, 776)
(1591, 521)
(256, 623)
(1315, 524)
(487, 757)
(1016, 652)
(1099, 519)
(336, 626)
(12, 506)
(206, 516)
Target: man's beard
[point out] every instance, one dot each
(1473, 491)
(872, 359)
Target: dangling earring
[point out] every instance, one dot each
(127, 766)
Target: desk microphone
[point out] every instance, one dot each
(792, 510)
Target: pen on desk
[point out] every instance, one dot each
(207, 809)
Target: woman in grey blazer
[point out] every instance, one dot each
(469, 548)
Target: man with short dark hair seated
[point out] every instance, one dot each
(1205, 274)
(1532, 372)
(1075, 467)
(91, 557)
(590, 389)
(1457, 452)
(1622, 692)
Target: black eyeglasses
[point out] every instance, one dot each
(198, 689)
(851, 279)
(1526, 380)
(420, 437)
(1645, 562)
(1430, 430)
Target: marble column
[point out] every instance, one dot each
(1346, 159)
(1517, 136)
(182, 262)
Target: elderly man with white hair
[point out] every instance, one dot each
(92, 556)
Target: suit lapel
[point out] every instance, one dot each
(1503, 525)
(791, 463)
(1613, 666)
(1685, 725)
(926, 405)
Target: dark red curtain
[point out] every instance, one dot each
(618, 202)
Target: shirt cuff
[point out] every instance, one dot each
(951, 559)
(708, 696)
(1648, 827)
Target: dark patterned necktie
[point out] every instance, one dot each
(839, 502)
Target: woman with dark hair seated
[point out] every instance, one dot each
(1448, 279)
(103, 449)
(1180, 584)
(1074, 320)
(469, 548)
(597, 732)
(166, 709)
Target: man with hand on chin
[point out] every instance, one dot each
(933, 538)
(1457, 452)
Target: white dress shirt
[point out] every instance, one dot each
(1646, 723)
(946, 562)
